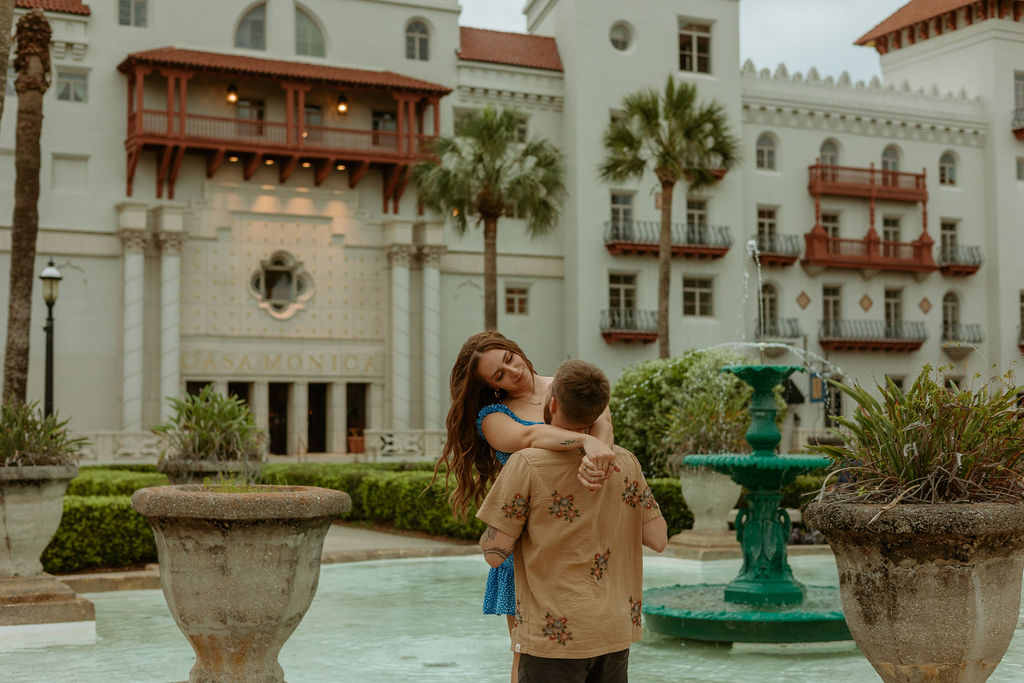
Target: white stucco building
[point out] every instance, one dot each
(226, 190)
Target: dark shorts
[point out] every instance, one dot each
(610, 668)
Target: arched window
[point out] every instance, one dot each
(417, 41)
(829, 153)
(950, 317)
(766, 152)
(252, 29)
(891, 159)
(308, 38)
(947, 169)
(769, 312)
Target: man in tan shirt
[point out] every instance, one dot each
(578, 556)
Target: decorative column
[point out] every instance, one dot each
(337, 418)
(134, 240)
(400, 255)
(432, 385)
(298, 419)
(261, 405)
(171, 243)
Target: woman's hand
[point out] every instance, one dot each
(597, 464)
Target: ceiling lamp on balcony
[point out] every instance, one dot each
(342, 104)
(232, 94)
(340, 167)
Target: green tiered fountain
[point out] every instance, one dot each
(764, 603)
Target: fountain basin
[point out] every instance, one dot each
(699, 612)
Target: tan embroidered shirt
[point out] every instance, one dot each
(578, 559)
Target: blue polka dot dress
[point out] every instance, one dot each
(500, 594)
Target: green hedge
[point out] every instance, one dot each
(96, 481)
(126, 467)
(99, 531)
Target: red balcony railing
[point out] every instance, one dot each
(848, 181)
(868, 253)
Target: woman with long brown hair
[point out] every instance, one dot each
(498, 408)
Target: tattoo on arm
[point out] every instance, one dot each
(500, 552)
(489, 534)
(570, 442)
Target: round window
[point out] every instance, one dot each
(621, 36)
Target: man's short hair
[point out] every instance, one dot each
(582, 391)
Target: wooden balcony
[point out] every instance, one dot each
(866, 183)
(1018, 123)
(221, 133)
(777, 250)
(629, 325)
(959, 260)
(871, 335)
(869, 253)
(627, 238)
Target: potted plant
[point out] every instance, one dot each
(239, 566)
(210, 435)
(923, 509)
(38, 457)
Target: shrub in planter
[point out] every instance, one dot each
(924, 509)
(99, 531)
(210, 435)
(38, 458)
(94, 481)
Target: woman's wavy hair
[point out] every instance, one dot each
(465, 454)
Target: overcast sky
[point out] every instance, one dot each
(801, 33)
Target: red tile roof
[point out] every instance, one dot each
(63, 6)
(238, 65)
(914, 12)
(516, 49)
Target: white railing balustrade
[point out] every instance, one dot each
(124, 447)
(408, 445)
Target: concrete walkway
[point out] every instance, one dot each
(344, 543)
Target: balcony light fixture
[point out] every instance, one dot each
(232, 94)
(340, 167)
(233, 159)
(269, 162)
(306, 164)
(342, 104)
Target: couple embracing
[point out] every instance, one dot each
(566, 511)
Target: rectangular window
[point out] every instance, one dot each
(893, 313)
(621, 292)
(1020, 168)
(250, 117)
(516, 299)
(621, 224)
(1018, 90)
(947, 240)
(890, 236)
(384, 121)
(131, 12)
(696, 221)
(72, 87)
(830, 222)
(522, 129)
(694, 47)
(314, 120)
(766, 224)
(830, 310)
(697, 296)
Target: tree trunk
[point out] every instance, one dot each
(6, 21)
(33, 65)
(490, 272)
(665, 268)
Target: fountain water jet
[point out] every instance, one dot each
(764, 603)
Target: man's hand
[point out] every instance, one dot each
(597, 465)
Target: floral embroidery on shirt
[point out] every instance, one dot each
(557, 629)
(634, 611)
(518, 618)
(517, 508)
(631, 494)
(563, 506)
(600, 564)
(648, 499)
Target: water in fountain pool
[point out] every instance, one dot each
(419, 620)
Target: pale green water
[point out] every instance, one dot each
(419, 620)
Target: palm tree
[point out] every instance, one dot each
(678, 137)
(32, 62)
(484, 172)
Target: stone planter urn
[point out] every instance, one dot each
(196, 471)
(31, 505)
(931, 593)
(710, 496)
(239, 569)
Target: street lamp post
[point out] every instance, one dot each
(51, 278)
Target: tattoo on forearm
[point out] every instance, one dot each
(500, 552)
(570, 442)
(489, 534)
